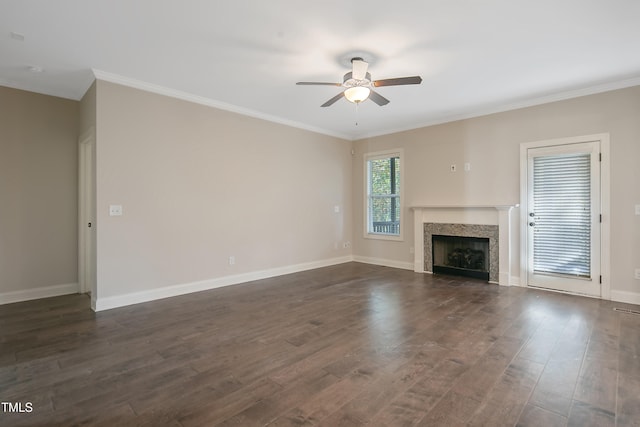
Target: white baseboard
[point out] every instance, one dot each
(108, 303)
(37, 293)
(623, 296)
(384, 262)
(618, 296)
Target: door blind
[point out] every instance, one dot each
(562, 215)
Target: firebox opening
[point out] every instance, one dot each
(461, 256)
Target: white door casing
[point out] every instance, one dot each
(86, 213)
(597, 146)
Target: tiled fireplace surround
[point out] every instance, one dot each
(493, 222)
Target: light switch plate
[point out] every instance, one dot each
(115, 210)
(637, 209)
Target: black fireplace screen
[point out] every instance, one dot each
(463, 256)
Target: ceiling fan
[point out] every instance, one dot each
(359, 86)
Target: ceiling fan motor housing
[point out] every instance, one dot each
(359, 86)
(349, 81)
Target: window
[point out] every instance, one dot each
(384, 205)
(562, 214)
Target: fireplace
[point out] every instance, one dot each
(461, 256)
(489, 233)
(481, 221)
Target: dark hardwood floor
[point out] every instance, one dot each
(348, 345)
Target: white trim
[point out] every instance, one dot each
(378, 155)
(498, 207)
(483, 111)
(38, 293)
(196, 99)
(605, 201)
(382, 236)
(107, 303)
(627, 297)
(86, 236)
(499, 108)
(384, 262)
(605, 210)
(499, 215)
(558, 291)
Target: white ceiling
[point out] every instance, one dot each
(474, 56)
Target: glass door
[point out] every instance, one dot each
(564, 218)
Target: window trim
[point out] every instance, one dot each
(377, 155)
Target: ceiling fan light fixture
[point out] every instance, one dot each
(357, 94)
(358, 85)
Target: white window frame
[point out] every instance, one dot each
(399, 152)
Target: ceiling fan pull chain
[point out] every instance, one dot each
(357, 104)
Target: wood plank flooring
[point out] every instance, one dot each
(349, 345)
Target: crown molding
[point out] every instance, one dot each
(500, 108)
(484, 111)
(185, 96)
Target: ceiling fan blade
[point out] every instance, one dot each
(333, 100)
(359, 68)
(414, 80)
(378, 99)
(319, 83)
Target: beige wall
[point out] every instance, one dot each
(198, 185)
(491, 144)
(38, 201)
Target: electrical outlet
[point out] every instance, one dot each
(637, 275)
(346, 244)
(115, 210)
(232, 260)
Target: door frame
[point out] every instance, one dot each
(86, 212)
(605, 226)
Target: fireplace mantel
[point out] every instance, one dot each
(499, 215)
(498, 207)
